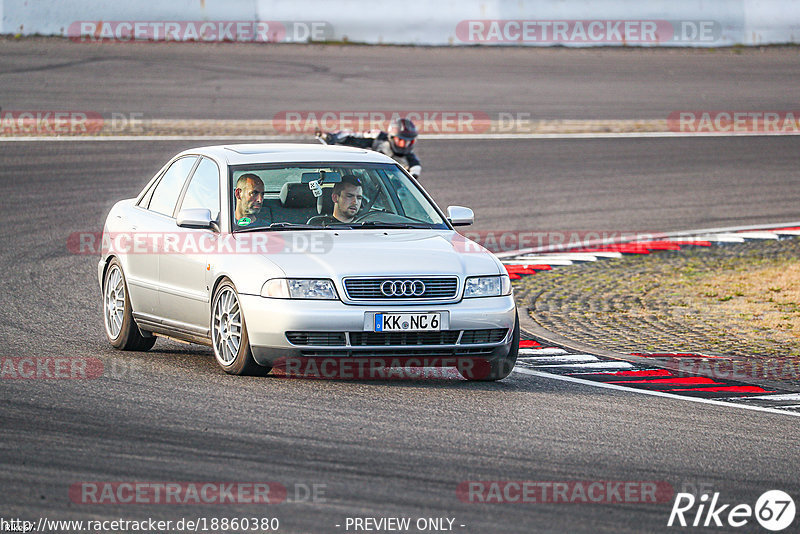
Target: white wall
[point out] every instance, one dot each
(425, 22)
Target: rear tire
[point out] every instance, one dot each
(121, 330)
(486, 371)
(229, 334)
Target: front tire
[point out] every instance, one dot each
(121, 329)
(229, 334)
(498, 369)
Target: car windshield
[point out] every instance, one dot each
(336, 196)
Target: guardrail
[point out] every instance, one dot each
(578, 23)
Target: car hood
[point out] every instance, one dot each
(336, 254)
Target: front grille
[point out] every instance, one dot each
(444, 337)
(489, 335)
(370, 288)
(316, 338)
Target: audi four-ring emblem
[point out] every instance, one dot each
(403, 288)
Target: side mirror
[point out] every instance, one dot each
(194, 218)
(460, 216)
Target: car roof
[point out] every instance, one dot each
(289, 153)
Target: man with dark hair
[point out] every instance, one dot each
(347, 196)
(249, 195)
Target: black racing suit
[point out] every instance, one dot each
(378, 141)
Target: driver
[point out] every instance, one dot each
(347, 196)
(249, 195)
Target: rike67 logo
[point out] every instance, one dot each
(774, 510)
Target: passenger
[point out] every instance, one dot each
(249, 195)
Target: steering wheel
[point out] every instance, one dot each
(370, 215)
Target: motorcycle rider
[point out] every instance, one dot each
(397, 143)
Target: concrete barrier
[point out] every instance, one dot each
(576, 23)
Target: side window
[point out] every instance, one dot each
(146, 198)
(203, 190)
(166, 193)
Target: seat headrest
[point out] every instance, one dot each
(325, 202)
(296, 195)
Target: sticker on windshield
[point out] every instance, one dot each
(244, 221)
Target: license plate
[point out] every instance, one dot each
(407, 322)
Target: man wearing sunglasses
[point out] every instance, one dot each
(397, 143)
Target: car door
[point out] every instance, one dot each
(184, 291)
(146, 223)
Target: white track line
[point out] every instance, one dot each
(759, 235)
(705, 234)
(541, 352)
(556, 262)
(574, 358)
(591, 365)
(588, 135)
(603, 135)
(649, 392)
(779, 397)
(574, 256)
(721, 238)
(567, 253)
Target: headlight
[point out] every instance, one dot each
(291, 288)
(487, 286)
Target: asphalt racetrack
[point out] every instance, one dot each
(376, 448)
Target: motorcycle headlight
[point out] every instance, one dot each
(487, 286)
(296, 288)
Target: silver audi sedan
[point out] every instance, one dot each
(278, 253)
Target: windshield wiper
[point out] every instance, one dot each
(280, 226)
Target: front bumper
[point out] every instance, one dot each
(268, 320)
